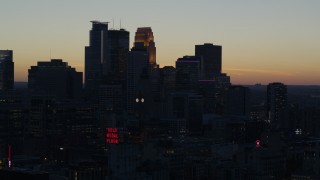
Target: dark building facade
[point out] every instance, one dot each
(96, 55)
(188, 72)
(116, 74)
(6, 70)
(211, 59)
(187, 106)
(55, 78)
(119, 48)
(276, 103)
(237, 101)
(106, 59)
(137, 77)
(168, 79)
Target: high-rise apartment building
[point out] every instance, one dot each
(145, 35)
(276, 103)
(96, 55)
(6, 70)
(211, 60)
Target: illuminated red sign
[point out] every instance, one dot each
(112, 141)
(112, 136)
(112, 130)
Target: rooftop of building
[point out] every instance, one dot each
(98, 22)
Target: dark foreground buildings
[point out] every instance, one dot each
(11, 174)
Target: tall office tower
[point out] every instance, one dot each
(112, 96)
(6, 70)
(96, 56)
(211, 60)
(188, 72)
(119, 49)
(145, 35)
(276, 104)
(137, 76)
(55, 78)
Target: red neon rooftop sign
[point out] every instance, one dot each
(112, 136)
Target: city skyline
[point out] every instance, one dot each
(175, 91)
(262, 42)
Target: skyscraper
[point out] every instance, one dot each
(145, 35)
(276, 103)
(114, 80)
(6, 70)
(137, 77)
(119, 48)
(211, 60)
(96, 55)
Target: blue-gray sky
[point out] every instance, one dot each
(263, 41)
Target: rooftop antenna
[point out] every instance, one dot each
(120, 23)
(50, 53)
(112, 23)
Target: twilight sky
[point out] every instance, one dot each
(262, 41)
